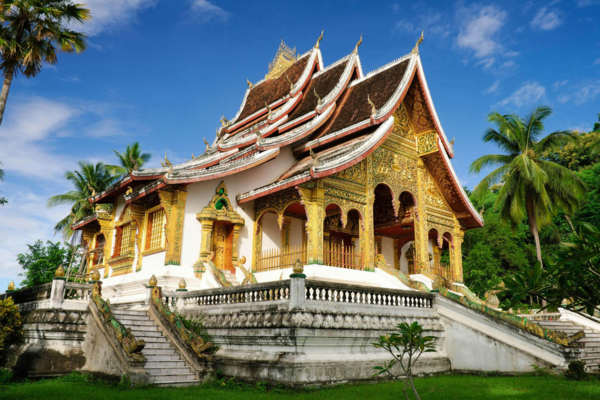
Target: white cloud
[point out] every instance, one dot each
(426, 19)
(108, 15)
(494, 88)
(205, 11)
(479, 29)
(580, 93)
(597, 62)
(558, 84)
(529, 94)
(587, 3)
(546, 20)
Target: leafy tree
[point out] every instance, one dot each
(405, 347)
(10, 321)
(88, 181)
(576, 155)
(574, 276)
(40, 262)
(533, 188)
(32, 32)
(130, 160)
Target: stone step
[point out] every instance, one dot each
(156, 339)
(164, 357)
(165, 364)
(136, 322)
(145, 334)
(177, 383)
(132, 317)
(158, 345)
(172, 378)
(162, 371)
(159, 352)
(142, 328)
(131, 312)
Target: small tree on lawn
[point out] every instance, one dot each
(11, 332)
(406, 347)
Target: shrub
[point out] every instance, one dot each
(5, 376)
(10, 323)
(576, 371)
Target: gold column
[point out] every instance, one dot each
(421, 236)
(236, 239)
(314, 201)
(257, 244)
(437, 254)
(368, 239)
(378, 244)
(107, 227)
(285, 232)
(205, 246)
(174, 204)
(456, 254)
(137, 214)
(397, 253)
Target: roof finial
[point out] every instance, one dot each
(250, 85)
(415, 50)
(319, 39)
(319, 101)
(358, 44)
(291, 84)
(224, 121)
(314, 157)
(373, 108)
(193, 157)
(206, 142)
(269, 109)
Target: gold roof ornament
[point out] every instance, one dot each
(250, 85)
(415, 50)
(269, 109)
(319, 101)
(319, 39)
(373, 108)
(60, 272)
(358, 44)
(153, 281)
(129, 190)
(284, 58)
(298, 267)
(206, 142)
(91, 189)
(11, 286)
(95, 275)
(182, 284)
(291, 83)
(224, 121)
(314, 157)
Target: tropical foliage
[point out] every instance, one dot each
(130, 160)
(89, 180)
(40, 261)
(531, 186)
(32, 32)
(10, 323)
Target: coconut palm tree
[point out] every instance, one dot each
(131, 160)
(532, 187)
(32, 32)
(89, 180)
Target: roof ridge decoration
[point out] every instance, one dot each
(415, 50)
(381, 69)
(284, 58)
(357, 44)
(330, 66)
(319, 39)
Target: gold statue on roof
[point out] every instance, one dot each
(250, 85)
(319, 100)
(415, 50)
(284, 58)
(318, 40)
(358, 44)
(373, 108)
(291, 83)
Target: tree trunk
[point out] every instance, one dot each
(8, 77)
(533, 228)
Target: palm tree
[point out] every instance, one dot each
(89, 180)
(532, 187)
(131, 160)
(33, 32)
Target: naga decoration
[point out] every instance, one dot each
(250, 85)
(358, 44)
(415, 50)
(319, 39)
(373, 108)
(196, 342)
(131, 345)
(250, 278)
(291, 83)
(319, 100)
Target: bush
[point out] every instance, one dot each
(576, 371)
(11, 324)
(5, 376)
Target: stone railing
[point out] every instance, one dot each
(354, 294)
(260, 292)
(77, 291)
(35, 293)
(57, 294)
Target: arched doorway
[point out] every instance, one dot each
(342, 233)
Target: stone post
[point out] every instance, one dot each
(298, 287)
(58, 288)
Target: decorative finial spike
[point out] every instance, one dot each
(319, 101)
(129, 190)
(415, 50)
(11, 286)
(373, 108)
(153, 281)
(182, 284)
(206, 142)
(298, 267)
(95, 275)
(319, 39)
(268, 109)
(250, 85)
(358, 44)
(60, 272)
(291, 84)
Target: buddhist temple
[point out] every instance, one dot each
(322, 163)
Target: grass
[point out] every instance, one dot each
(462, 387)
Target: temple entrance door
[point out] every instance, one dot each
(222, 245)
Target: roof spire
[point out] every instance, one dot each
(250, 85)
(415, 50)
(206, 143)
(319, 39)
(373, 108)
(319, 101)
(269, 109)
(358, 44)
(291, 83)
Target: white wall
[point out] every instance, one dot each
(271, 238)
(403, 260)
(387, 249)
(296, 232)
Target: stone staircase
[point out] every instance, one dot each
(591, 341)
(165, 365)
(231, 277)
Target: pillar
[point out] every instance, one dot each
(174, 204)
(285, 232)
(257, 244)
(397, 254)
(456, 254)
(421, 256)
(314, 202)
(378, 244)
(205, 247)
(138, 213)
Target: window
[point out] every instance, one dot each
(123, 240)
(155, 233)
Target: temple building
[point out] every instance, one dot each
(342, 170)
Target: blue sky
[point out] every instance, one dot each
(163, 72)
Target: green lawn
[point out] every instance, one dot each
(438, 387)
